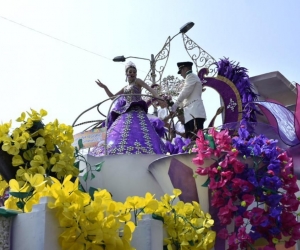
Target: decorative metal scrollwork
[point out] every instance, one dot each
(163, 56)
(171, 86)
(202, 59)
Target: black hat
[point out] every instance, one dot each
(183, 64)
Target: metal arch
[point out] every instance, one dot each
(163, 54)
(202, 59)
(96, 122)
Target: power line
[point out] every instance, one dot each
(24, 26)
(73, 45)
(57, 39)
(60, 40)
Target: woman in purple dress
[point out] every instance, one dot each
(129, 130)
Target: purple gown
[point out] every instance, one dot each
(129, 130)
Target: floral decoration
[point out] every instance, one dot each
(94, 221)
(252, 185)
(186, 224)
(38, 148)
(178, 145)
(36, 151)
(88, 220)
(25, 194)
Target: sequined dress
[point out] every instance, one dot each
(129, 130)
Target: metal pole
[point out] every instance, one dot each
(153, 75)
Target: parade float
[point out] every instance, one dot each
(233, 187)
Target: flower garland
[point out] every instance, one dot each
(90, 221)
(188, 227)
(252, 185)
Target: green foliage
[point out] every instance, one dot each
(89, 169)
(92, 190)
(21, 195)
(206, 183)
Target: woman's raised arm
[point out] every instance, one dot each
(108, 92)
(163, 104)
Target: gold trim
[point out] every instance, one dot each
(235, 90)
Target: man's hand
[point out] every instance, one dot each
(162, 104)
(174, 107)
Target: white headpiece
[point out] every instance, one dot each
(129, 65)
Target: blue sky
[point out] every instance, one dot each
(37, 71)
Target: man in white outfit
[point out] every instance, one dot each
(190, 99)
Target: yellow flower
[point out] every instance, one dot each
(134, 202)
(177, 192)
(4, 129)
(11, 203)
(17, 160)
(37, 181)
(35, 116)
(30, 202)
(43, 112)
(40, 141)
(22, 117)
(3, 186)
(12, 149)
(38, 160)
(16, 187)
(151, 205)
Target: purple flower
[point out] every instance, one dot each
(171, 148)
(254, 234)
(274, 166)
(272, 183)
(274, 230)
(275, 211)
(158, 126)
(178, 147)
(273, 200)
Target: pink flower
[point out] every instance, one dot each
(226, 192)
(213, 184)
(238, 221)
(223, 140)
(248, 198)
(225, 215)
(198, 160)
(217, 200)
(202, 171)
(233, 242)
(290, 201)
(226, 176)
(237, 165)
(296, 232)
(242, 234)
(231, 206)
(223, 234)
(256, 216)
(224, 163)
